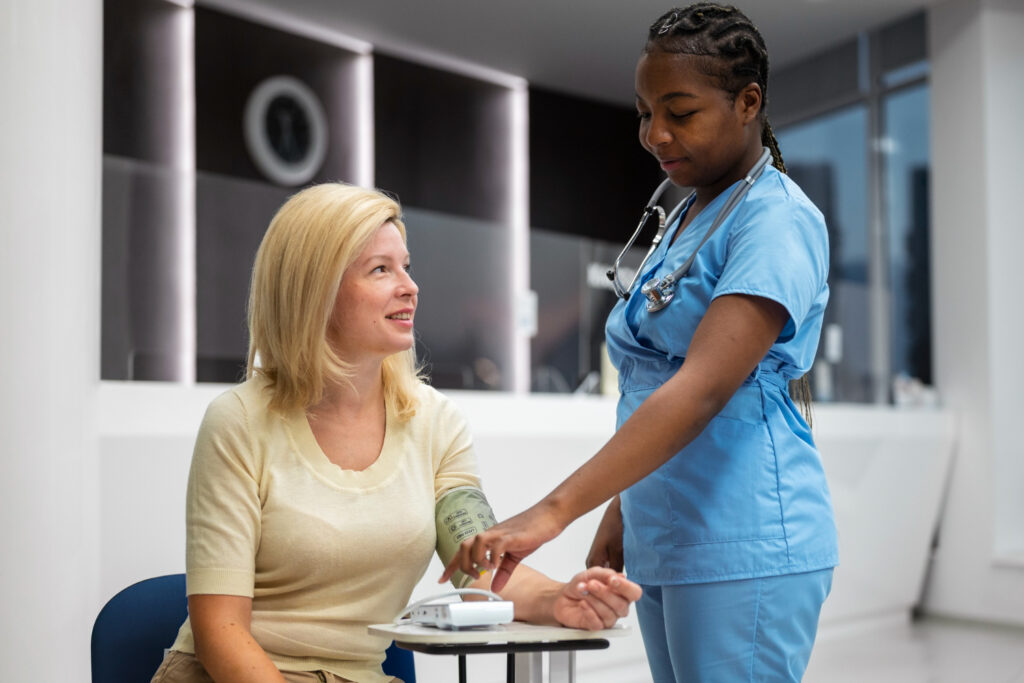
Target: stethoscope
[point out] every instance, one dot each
(660, 291)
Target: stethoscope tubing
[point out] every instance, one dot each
(660, 291)
(650, 209)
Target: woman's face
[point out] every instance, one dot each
(696, 130)
(376, 301)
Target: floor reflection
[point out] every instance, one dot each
(930, 650)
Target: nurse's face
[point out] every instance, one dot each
(702, 136)
(376, 301)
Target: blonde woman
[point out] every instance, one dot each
(316, 484)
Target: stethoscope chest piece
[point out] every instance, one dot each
(659, 294)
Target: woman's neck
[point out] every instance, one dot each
(363, 393)
(350, 422)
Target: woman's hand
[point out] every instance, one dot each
(504, 546)
(595, 599)
(591, 600)
(606, 550)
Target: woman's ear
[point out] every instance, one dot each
(749, 102)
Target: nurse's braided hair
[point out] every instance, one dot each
(734, 54)
(735, 51)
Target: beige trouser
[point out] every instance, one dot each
(181, 667)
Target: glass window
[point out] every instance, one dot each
(862, 155)
(464, 317)
(827, 157)
(574, 297)
(583, 208)
(906, 171)
(442, 144)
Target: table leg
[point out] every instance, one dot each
(462, 668)
(529, 667)
(562, 667)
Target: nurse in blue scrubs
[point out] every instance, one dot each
(719, 505)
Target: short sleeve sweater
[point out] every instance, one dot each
(323, 552)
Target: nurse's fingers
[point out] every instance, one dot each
(504, 572)
(474, 556)
(462, 560)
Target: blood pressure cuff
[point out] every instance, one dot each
(460, 514)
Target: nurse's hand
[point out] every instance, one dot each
(606, 550)
(502, 547)
(595, 599)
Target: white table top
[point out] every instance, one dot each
(516, 632)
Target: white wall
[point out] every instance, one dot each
(977, 147)
(50, 70)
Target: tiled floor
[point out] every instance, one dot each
(925, 651)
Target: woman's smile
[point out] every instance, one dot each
(402, 318)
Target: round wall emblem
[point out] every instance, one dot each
(285, 130)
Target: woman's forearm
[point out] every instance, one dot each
(533, 594)
(232, 656)
(593, 599)
(224, 644)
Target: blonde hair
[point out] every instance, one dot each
(314, 237)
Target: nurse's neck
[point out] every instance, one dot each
(692, 211)
(708, 193)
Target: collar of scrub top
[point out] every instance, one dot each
(661, 291)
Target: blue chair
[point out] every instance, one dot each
(134, 627)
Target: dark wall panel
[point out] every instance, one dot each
(831, 78)
(142, 54)
(232, 57)
(589, 175)
(903, 42)
(234, 200)
(442, 139)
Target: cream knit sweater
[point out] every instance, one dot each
(323, 552)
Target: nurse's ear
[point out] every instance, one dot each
(748, 103)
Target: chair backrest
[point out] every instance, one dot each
(134, 627)
(399, 662)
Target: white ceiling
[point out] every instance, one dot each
(584, 47)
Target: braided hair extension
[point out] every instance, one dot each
(732, 52)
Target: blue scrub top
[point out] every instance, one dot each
(747, 498)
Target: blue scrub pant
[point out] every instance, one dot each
(730, 631)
